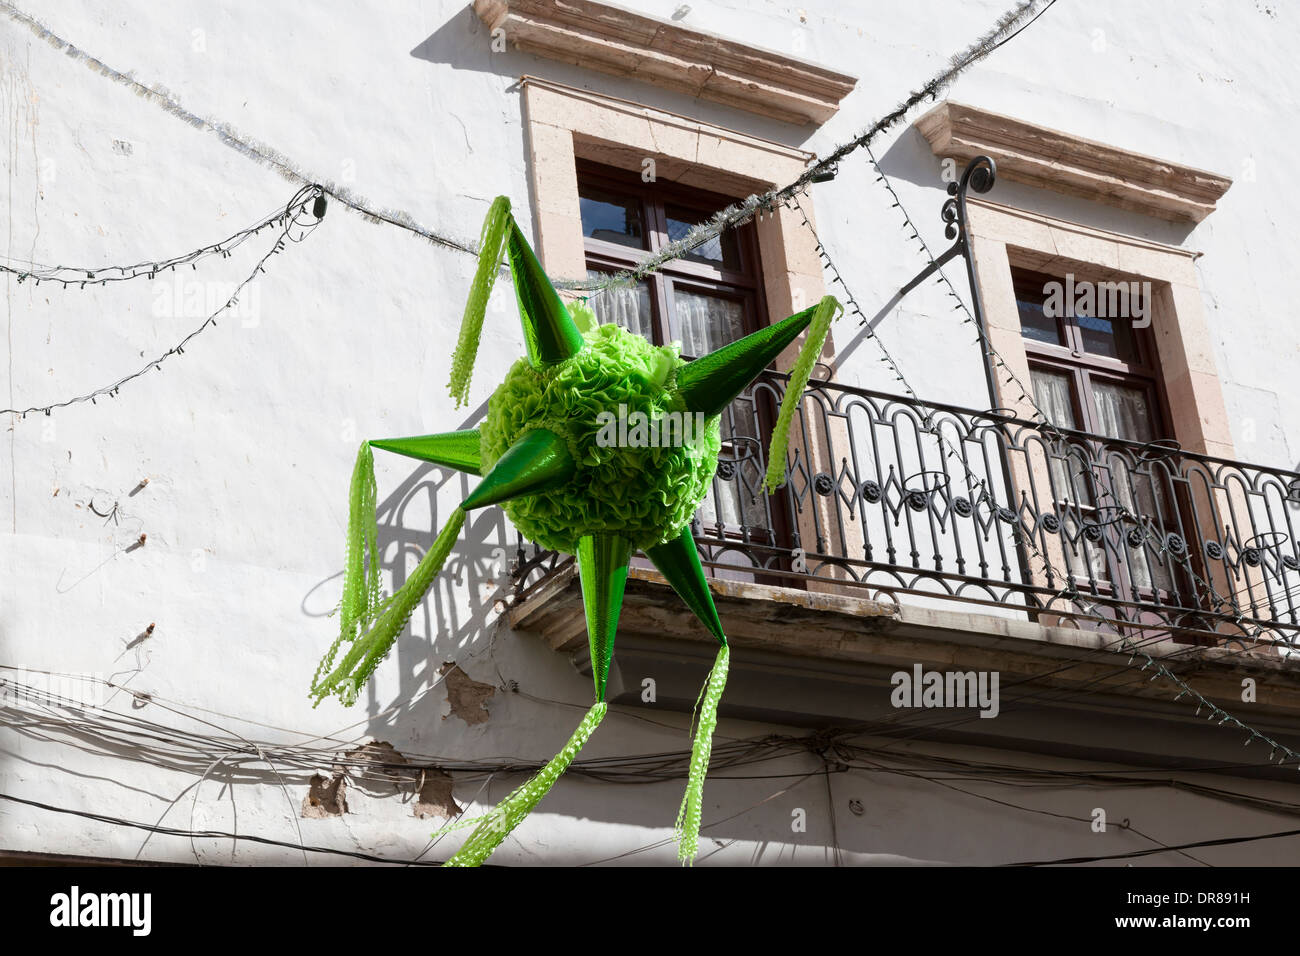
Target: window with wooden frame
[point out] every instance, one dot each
(1100, 374)
(704, 300)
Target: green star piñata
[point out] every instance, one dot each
(540, 458)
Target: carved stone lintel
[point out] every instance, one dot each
(1069, 164)
(612, 40)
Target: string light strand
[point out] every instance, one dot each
(295, 214)
(82, 276)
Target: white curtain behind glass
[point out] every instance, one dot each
(1053, 394)
(706, 322)
(1125, 412)
(625, 306)
(1122, 412)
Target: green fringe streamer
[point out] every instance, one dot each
(386, 621)
(687, 828)
(827, 309)
(492, 249)
(361, 567)
(495, 826)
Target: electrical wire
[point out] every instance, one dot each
(835, 749)
(207, 834)
(1135, 854)
(133, 732)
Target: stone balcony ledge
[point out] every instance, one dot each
(819, 659)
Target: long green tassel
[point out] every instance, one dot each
(510, 812)
(361, 567)
(827, 309)
(361, 575)
(687, 829)
(387, 621)
(491, 250)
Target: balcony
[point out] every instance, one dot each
(906, 504)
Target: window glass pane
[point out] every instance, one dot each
(610, 216)
(721, 250)
(1073, 482)
(1053, 392)
(1143, 493)
(1112, 338)
(1035, 324)
(1123, 411)
(628, 306)
(706, 322)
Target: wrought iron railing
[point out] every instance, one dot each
(985, 508)
(921, 502)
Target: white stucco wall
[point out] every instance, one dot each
(247, 439)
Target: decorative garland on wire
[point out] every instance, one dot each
(246, 146)
(1007, 27)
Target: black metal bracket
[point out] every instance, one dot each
(980, 174)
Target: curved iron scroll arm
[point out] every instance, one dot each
(980, 174)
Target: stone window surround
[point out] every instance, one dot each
(1004, 238)
(564, 124)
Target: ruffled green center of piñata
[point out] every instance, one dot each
(648, 493)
